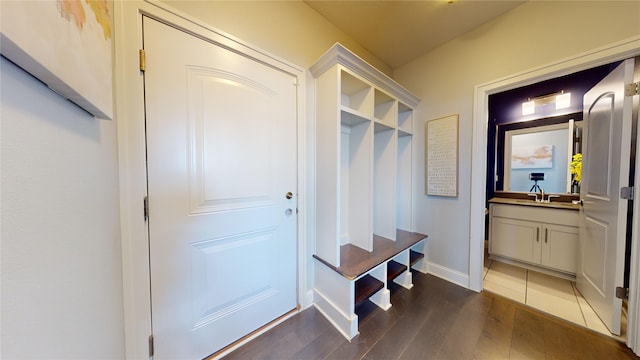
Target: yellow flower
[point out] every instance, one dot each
(575, 167)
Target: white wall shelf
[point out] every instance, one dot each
(405, 119)
(364, 189)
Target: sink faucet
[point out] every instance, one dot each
(541, 195)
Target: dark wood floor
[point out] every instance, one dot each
(436, 320)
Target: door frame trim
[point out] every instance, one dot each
(633, 328)
(613, 52)
(130, 112)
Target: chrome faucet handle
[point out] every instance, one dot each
(552, 196)
(535, 196)
(541, 195)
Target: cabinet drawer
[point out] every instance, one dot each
(533, 213)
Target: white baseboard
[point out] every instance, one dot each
(450, 275)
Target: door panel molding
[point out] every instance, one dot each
(592, 269)
(604, 103)
(244, 191)
(224, 252)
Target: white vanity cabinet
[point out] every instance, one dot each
(536, 235)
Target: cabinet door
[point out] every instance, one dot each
(516, 239)
(560, 247)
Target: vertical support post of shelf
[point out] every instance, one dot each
(383, 297)
(406, 278)
(420, 265)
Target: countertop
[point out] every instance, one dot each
(531, 202)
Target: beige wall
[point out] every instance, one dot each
(532, 35)
(288, 29)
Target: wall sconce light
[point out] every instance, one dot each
(528, 107)
(561, 99)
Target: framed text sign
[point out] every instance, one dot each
(441, 156)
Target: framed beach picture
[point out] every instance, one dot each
(66, 44)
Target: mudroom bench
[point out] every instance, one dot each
(365, 275)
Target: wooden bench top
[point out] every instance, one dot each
(355, 261)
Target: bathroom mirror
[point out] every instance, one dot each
(536, 155)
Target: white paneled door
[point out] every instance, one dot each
(221, 154)
(607, 116)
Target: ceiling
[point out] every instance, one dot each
(399, 31)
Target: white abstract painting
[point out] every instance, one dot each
(66, 44)
(532, 157)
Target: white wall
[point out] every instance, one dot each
(532, 35)
(61, 270)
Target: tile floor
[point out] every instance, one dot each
(547, 293)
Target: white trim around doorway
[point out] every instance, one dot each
(601, 56)
(132, 159)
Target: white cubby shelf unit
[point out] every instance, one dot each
(364, 188)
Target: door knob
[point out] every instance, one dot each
(288, 212)
(289, 195)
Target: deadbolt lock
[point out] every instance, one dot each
(289, 195)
